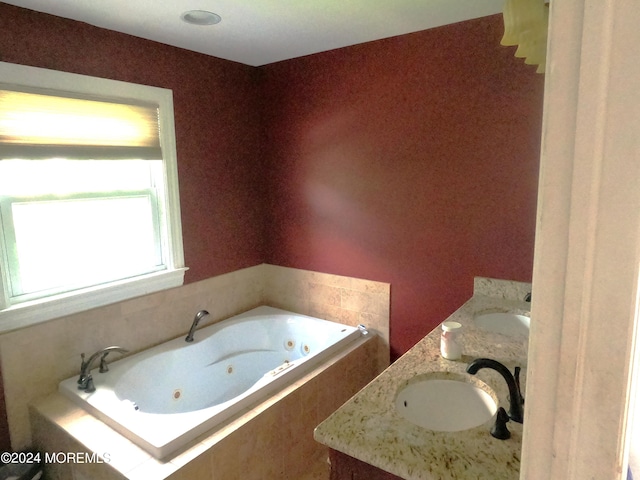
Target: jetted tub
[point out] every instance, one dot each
(164, 397)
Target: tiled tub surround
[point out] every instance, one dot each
(347, 300)
(368, 428)
(272, 440)
(166, 396)
(35, 359)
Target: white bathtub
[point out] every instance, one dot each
(164, 397)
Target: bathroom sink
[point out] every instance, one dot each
(445, 405)
(505, 323)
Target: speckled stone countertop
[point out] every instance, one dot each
(369, 429)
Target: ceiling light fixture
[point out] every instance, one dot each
(200, 17)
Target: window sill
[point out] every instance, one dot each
(38, 311)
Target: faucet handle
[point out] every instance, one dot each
(81, 378)
(106, 351)
(499, 429)
(103, 363)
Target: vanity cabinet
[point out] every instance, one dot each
(344, 467)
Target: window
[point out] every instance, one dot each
(89, 210)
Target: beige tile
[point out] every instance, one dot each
(47, 434)
(337, 281)
(362, 301)
(263, 449)
(225, 463)
(281, 281)
(96, 471)
(324, 294)
(291, 303)
(372, 287)
(51, 440)
(199, 468)
(192, 452)
(152, 469)
(377, 322)
(146, 302)
(95, 436)
(334, 313)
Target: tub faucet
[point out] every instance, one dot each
(513, 382)
(85, 381)
(199, 316)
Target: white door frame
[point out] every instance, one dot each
(587, 252)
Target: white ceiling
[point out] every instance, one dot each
(258, 32)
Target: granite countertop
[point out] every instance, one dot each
(368, 428)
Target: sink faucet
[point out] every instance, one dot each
(513, 382)
(85, 381)
(199, 316)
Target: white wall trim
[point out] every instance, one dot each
(585, 279)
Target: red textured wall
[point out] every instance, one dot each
(411, 160)
(216, 118)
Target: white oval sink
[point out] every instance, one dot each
(445, 405)
(505, 323)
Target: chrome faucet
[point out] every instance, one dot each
(516, 399)
(199, 316)
(85, 381)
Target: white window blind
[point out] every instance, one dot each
(45, 126)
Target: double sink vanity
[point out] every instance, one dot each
(429, 418)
